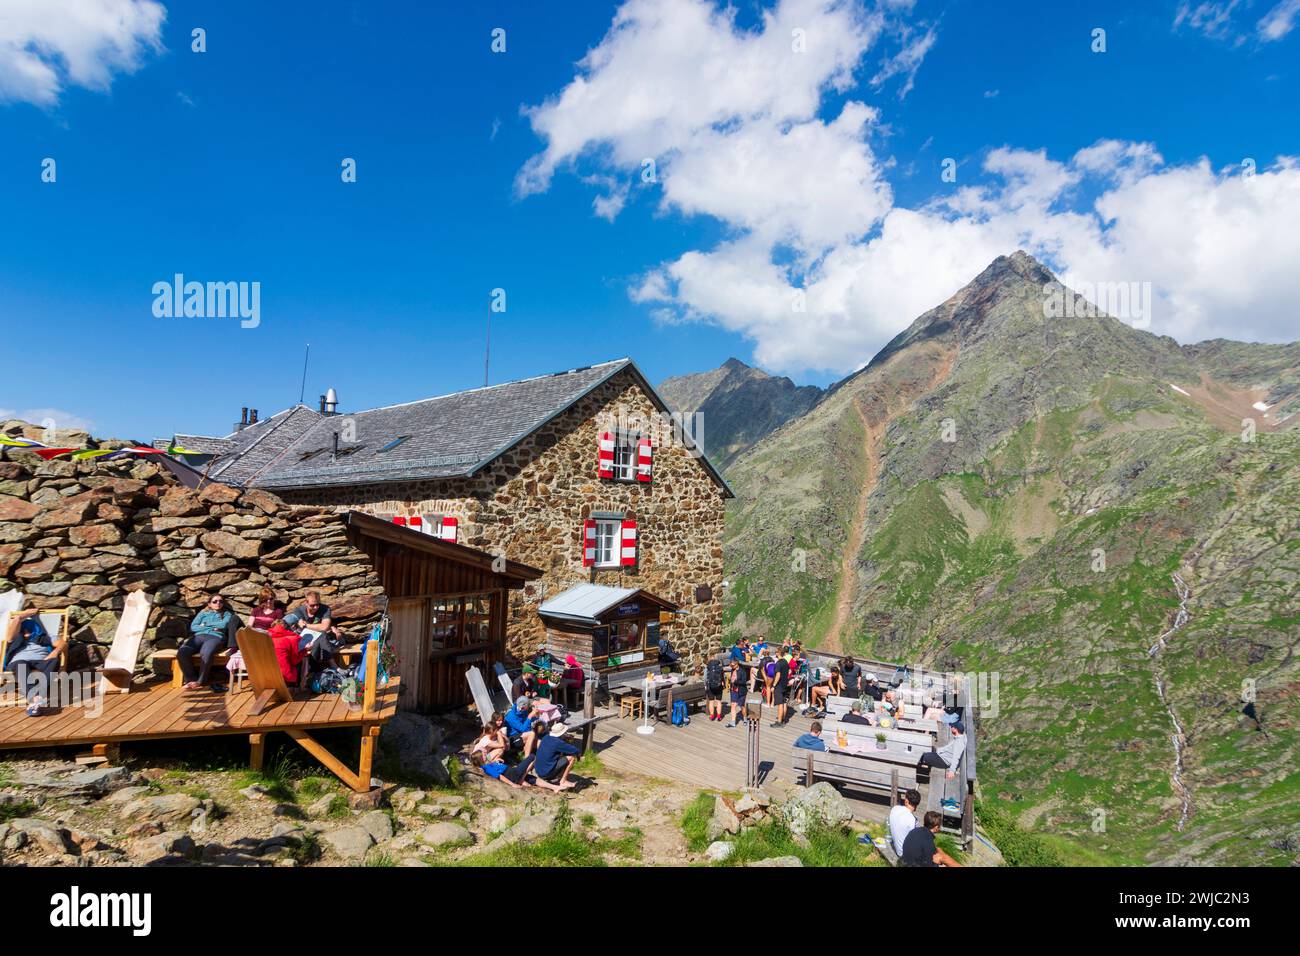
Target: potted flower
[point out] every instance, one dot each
(880, 741)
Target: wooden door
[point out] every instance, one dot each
(408, 640)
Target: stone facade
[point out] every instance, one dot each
(530, 504)
(81, 535)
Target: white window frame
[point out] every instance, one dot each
(609, 543)
(626, 452)
(432, 525)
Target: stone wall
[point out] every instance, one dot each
(530, 504)
(81, 535)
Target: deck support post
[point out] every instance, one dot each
(893, 787)
(808, 771)
(257, 750)
(369, 734)
(589, 712)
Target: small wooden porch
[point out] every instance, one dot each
(158, 711)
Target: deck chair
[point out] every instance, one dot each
(10, 601)
(54, 622)
(263, 668)
(119, 665)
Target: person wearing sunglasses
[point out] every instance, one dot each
(212, 630)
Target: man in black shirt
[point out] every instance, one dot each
(919, 848)
(872, 688)
(852, 674)
(780, 687)
(854, 716)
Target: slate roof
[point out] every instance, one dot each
(259, 446)
(449, 436)
(204, 444)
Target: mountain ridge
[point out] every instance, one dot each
(948, 503)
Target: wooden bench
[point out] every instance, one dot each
(689, 693)
(862, 735)
(632, 677)
(350, 655)
(852, 770)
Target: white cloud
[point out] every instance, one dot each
(48, 45)
(1279, 21)
(819, 267)
(1216, 19)
(48, 417)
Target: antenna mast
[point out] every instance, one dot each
(487, 344)
(303, 391)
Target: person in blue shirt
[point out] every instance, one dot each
(555, 758)
(213, 629)
(32, 656)
(739, 650)
(519, 724)
(813, 739)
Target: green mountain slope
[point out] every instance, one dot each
(1003, 492)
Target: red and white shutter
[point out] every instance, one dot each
(588, 543)
(448, 529)
(627, 544)
(399, 519)
(644, 459)
(415, 523)
(605, 455)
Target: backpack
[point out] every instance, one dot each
(679, 714)
(713, 674)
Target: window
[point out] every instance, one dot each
(459, 622)
(625, 458)
(608, 540)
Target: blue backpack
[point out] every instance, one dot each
(680, 719)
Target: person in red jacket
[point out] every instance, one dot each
(287, 652)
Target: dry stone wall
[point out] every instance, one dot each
(82, 535)
(530, 504)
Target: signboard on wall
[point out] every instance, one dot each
(628, 609)
(622, 659)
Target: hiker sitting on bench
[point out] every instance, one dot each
(519, 724)
(32, 656)
(525, 685)
(855, 715)
(668, 658)
(318, 635)
(212, 630)
(813, 739)
(831, 687)
(555, 758)
(949, 755)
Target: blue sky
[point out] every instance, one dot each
(225, 166)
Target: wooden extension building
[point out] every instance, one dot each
(448, 604)
(606, 628)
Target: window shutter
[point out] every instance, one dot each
(449, 529)
(628, 552)
(605, 455)
(588, 543)
(644, 458)
(415, 523)
(398, 519)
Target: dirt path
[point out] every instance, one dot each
(894, 405)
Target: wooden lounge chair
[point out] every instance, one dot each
(263, 668)
(55, 624)
(119, 665)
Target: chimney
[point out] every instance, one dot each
(331, 402)
(336, 445)
(243, 419)
(252, 417)
(322, 405)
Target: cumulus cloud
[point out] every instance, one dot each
(48, 45)
(819, 266)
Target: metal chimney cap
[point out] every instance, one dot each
(331, 397)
